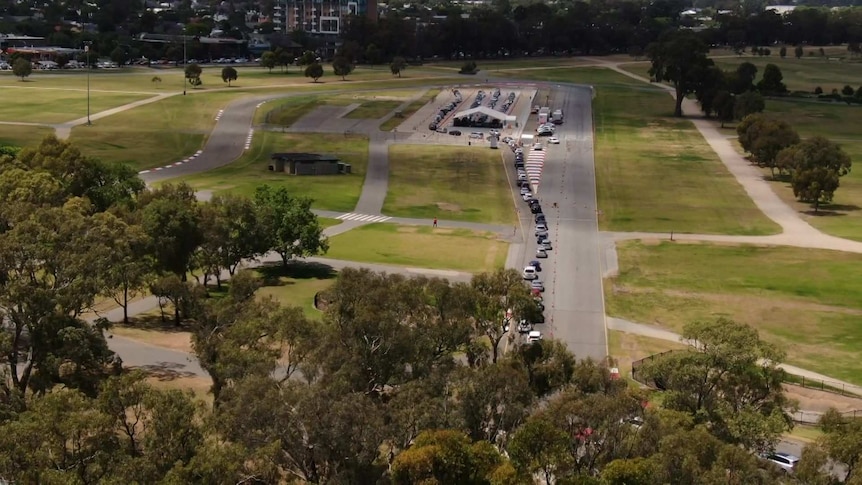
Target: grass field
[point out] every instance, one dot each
(296, 285)
(804, 74)
(411, 108)
(23, 136)
(424, 247)
(57, 106)
(141, 79)
(805, 301)
(171, 129)
(330, 192)
(455, 183)
(839, 123)
(373, 110)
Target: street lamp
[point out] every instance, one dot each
(185, 63)
(87, 45)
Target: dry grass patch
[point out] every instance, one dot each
(455, 183)
(626, 348)
(805, 301)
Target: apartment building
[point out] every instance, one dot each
(320, 16)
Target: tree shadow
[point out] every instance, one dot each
(832, 210)
(164, 371)
(273, 273)
(155, 323)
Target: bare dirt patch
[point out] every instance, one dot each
(821, 401)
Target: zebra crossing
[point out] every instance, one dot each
(352, 216)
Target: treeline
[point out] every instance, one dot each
(494, 31)
(74, 229)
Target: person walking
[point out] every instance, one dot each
(435, 222)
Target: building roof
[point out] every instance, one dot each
(304, 157)
(499, 115)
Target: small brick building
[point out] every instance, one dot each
(307, 164)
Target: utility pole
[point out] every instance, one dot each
(87, 45)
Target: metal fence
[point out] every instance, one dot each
(824, 385)
(636, 365)
(843, 389)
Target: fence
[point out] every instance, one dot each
(806, 382)
(822, 385)
(636, 365)
(813, 417)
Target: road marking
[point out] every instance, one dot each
(143, 172)
(218, 115)
(351, 216)
(249, 138)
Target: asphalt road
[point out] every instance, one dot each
(572, 273)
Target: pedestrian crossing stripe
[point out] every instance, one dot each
(351, 216)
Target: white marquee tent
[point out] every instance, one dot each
(499, 115)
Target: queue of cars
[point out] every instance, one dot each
(445, 110)
(531, 272)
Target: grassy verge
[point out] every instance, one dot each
(411, 109)
(57, 106)
(330, 192)
(805, 301)
(456, 183)
(23, 136)
(424, 247)
(373, 110)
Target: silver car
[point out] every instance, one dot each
(784, 461)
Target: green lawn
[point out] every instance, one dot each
(56, 106)
(656, 173)
(596, 76)
(424, 247)
(455, 183)
(839, 123)
(141, 79)
(330, 192)
(804, 74)
(805, 301)
(372, 110)
(411, 108)
(297, 284)
(23, 136)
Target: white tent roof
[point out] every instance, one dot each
(486, 111)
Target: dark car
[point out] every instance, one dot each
(535, 209)
(432, 126)
(540, 217)
(455, 132)
(536, 264)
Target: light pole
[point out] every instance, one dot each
(185, 62)
(87, 45)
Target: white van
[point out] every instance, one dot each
(534, 336)
(530, 273)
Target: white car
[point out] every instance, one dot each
(530, 273)
(554, 140)
(534, 336)
(538, 147)
(527, 195)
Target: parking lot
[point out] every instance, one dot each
(417, 128)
